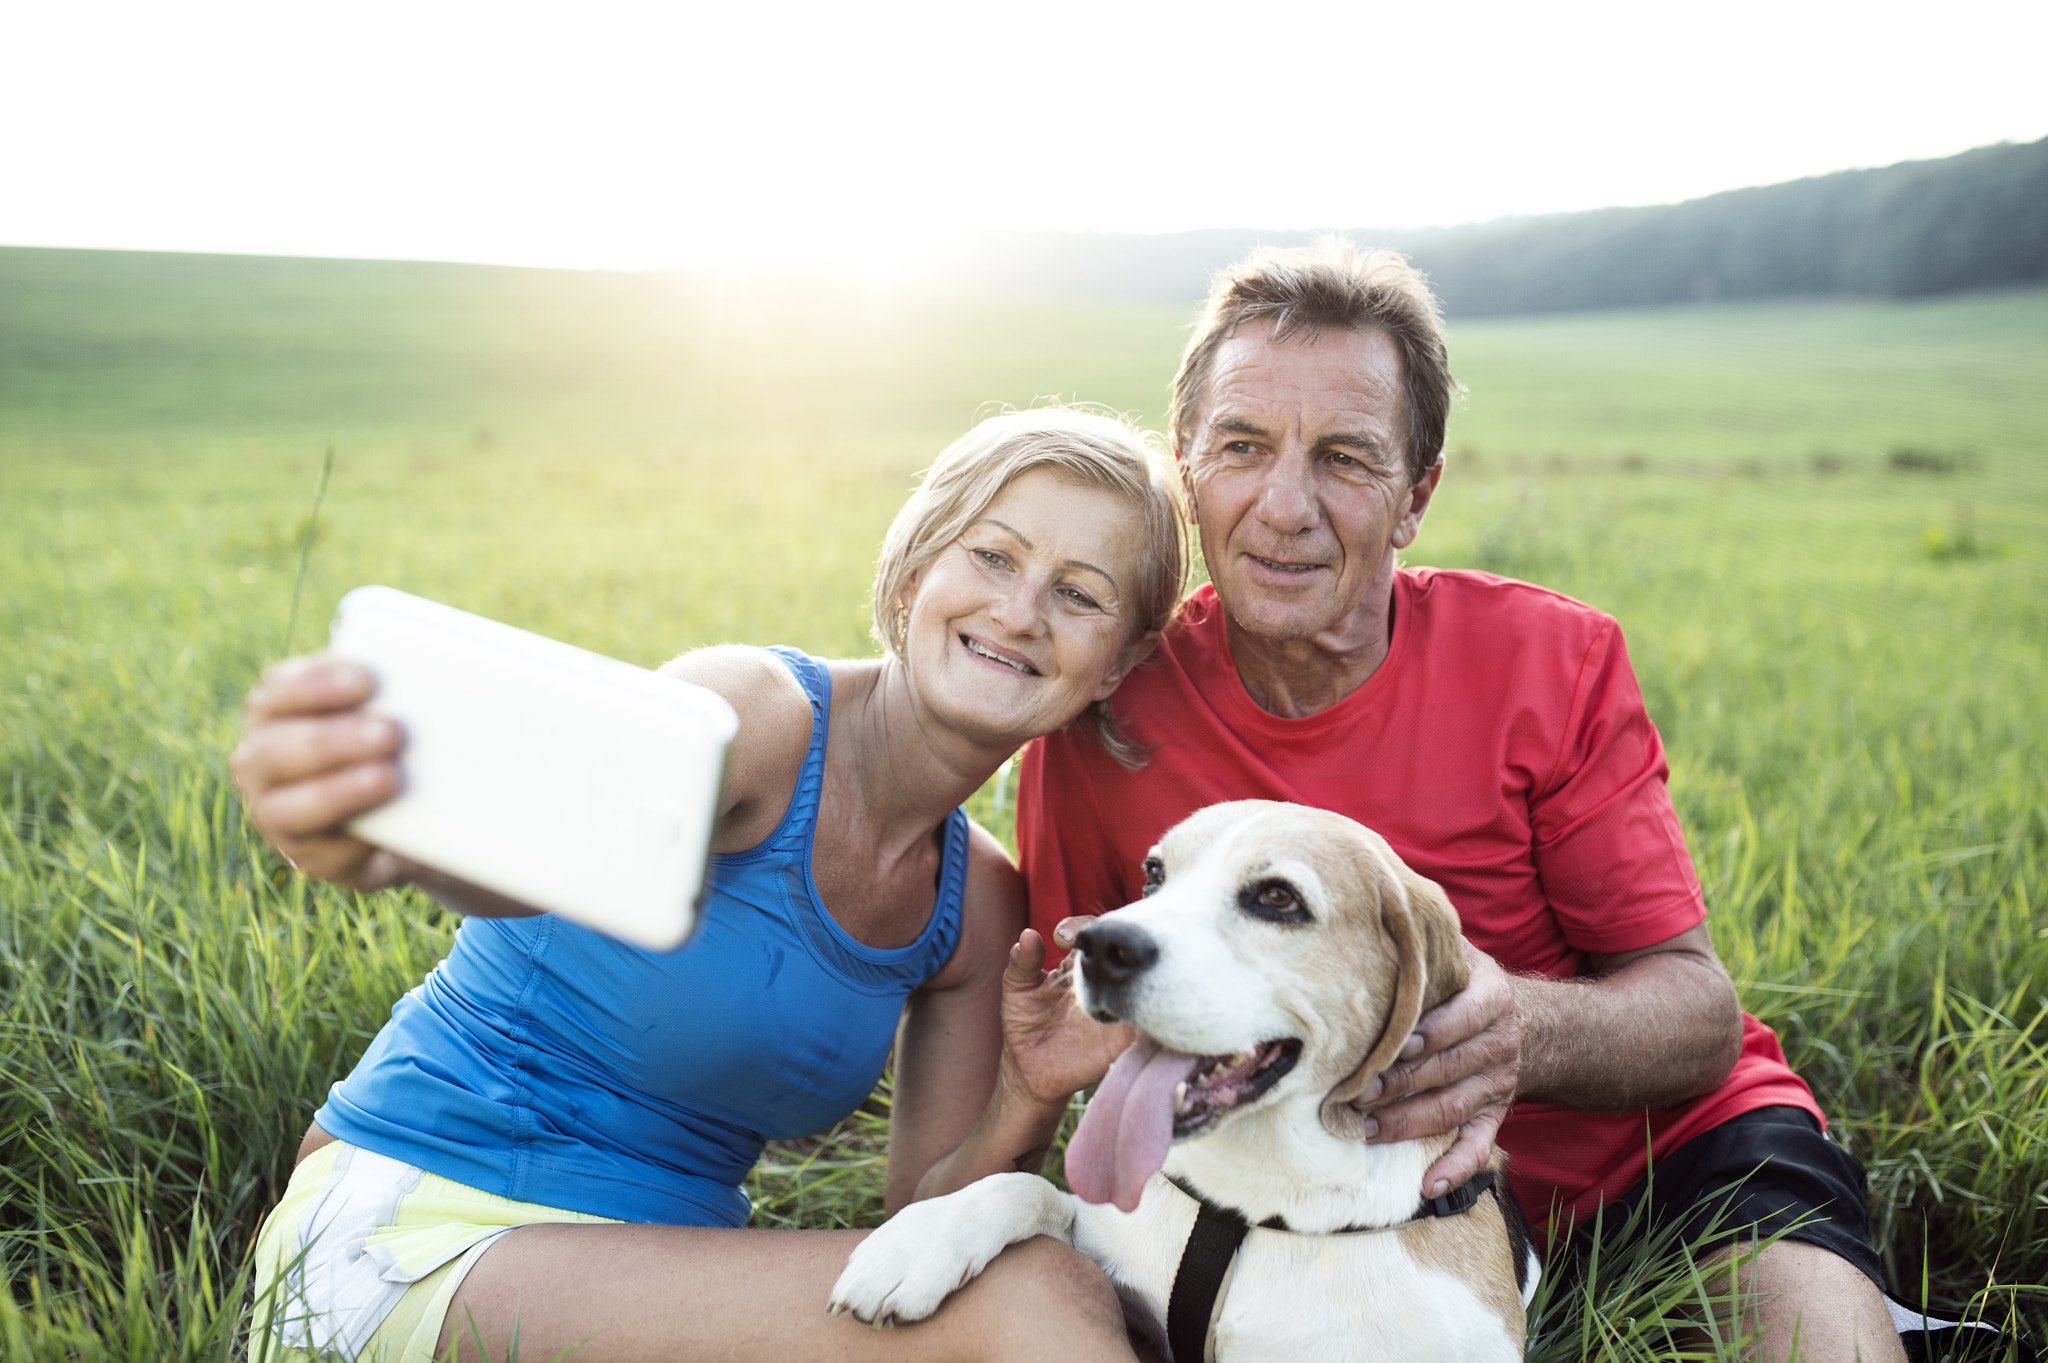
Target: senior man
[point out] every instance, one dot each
(1492, 731)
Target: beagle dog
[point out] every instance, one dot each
(1277, 963)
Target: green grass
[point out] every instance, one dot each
(1844, 652)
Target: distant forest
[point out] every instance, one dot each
(1977, 220)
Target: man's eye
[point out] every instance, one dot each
(1155, 874)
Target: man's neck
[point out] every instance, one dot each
(1294, 678)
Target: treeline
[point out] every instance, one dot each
(1976, 220)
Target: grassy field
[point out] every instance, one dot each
(1822, 526)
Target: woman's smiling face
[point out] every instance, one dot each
(1022, 621)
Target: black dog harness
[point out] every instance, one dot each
(1219, 1231)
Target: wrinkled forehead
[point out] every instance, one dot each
(1329, 382)
(1329, 858)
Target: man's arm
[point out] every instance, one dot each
(1641, 1028)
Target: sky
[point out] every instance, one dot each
(617, 135)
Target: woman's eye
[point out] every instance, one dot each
(988, 558)
(1078, 597)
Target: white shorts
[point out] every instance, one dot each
(364, 1253)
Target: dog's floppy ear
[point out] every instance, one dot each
(1429, 961)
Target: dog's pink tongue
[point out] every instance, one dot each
(1125, 1133)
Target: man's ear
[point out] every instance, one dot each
(1186, 466)
(1429, 956)
(1420, 493)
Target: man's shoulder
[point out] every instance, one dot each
(1486, 608)
(1196, 621)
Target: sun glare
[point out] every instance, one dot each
(635, 135)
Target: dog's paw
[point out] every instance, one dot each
(904, 1270)
(930, 1250)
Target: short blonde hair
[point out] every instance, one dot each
(1087, 446)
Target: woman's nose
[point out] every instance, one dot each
(1017, 610)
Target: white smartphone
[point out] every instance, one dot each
(557, 777)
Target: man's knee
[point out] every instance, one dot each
(1807, 1297)
(1796, 1266)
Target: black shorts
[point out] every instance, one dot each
(1767, 1171)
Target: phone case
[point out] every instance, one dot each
(566, 780)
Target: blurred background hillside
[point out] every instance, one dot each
(1972, 221)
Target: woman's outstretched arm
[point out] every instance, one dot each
(311, 759)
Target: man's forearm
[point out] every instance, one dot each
(1661, 1029)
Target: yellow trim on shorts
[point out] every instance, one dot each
(433, 1232)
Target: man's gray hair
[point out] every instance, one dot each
(1305, 291)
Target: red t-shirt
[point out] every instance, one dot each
(1501, 748)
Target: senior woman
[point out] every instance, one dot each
(545, 1143)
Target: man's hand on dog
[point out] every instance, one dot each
(1457, 1073)
(1052, 1048)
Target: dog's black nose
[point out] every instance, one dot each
(1114, 954)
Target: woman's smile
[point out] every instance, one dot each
(998, 655)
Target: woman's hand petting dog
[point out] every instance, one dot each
(310, 760)
(1457, 1073)
(1051, 1048)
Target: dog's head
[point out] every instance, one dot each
(1276, 943)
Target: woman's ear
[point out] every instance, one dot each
(905, 594)
(1135, 652)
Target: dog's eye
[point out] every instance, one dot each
(1155, 874)
(1276, 901)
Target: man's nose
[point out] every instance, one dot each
(1287, 496)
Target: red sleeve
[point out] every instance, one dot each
(1608, 844)
(1070, 865)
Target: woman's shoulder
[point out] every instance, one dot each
(775, 727)
(990, 871)
(754, 681)
(741, 667)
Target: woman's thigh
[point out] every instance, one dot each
(620, 1294)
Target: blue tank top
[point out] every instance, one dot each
(547, 1063)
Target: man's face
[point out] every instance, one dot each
(1298, 466)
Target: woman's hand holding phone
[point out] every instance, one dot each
(310, 760)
